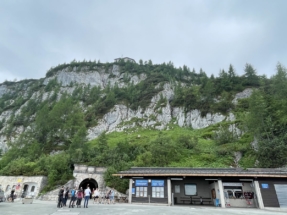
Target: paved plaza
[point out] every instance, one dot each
(49, 208)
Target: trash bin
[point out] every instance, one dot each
(175, 200)
(217, 203)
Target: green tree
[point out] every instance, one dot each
(251, 78)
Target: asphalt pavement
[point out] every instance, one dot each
(49, 208)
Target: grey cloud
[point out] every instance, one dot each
(36, 35)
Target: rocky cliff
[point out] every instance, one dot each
(118, 118)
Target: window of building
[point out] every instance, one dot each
(32, 188)
(190, 189)
(141, 191)
(234, 192)
(157, 192)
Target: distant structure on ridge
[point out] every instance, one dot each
(125, 59)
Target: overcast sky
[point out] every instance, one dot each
(38, 34)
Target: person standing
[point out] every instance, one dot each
(107, 197)
(79, 197)
(96, 196)
(60, 197)
(92, 194)
(87, 196)
(12, 195)
(112, 196)
(65, 196)
(73, 197)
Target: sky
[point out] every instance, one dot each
(36, 35)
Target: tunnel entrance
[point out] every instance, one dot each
(89, 181)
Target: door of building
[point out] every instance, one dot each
(281, 191)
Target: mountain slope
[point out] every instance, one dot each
(125, 114)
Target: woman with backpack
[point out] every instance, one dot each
(73, 197)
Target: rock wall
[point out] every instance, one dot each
(99, 77)
(7, 183)
(120, 117)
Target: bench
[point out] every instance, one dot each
(204, 200)
(195, 200)
(185, 199)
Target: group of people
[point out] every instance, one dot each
(103, 198)
(76, 196)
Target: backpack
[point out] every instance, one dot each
(73, 192)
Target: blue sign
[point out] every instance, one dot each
(157, 183)
(265, 186)
(141, 183)
(133, 190)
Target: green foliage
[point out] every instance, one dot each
(267, 121)
(224, 135)
(59, 124)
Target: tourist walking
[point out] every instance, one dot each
(73, 197)
(87, 196)
(79, 197)
(60, 197)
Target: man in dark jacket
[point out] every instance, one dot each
(60, 197)
(12, 195)
(65, 196)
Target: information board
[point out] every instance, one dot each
(157, 183)
(141, 183)
(265, 186)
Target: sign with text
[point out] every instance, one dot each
(141, 183)
(265, 186)
(157, 183)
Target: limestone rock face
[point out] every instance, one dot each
(3, 90)
(158, 115)
(122, 117)
(98, 77)
(242, 95)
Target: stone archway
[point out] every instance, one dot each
(89, 181)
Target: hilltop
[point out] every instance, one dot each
(126, 114)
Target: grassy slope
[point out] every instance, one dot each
(206, 153)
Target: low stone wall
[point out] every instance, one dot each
(53, 195)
